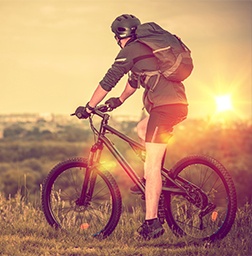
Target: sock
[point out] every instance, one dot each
(150, 221)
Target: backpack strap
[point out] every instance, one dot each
(148, 74)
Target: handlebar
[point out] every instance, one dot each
(103, 108)
(99, 110)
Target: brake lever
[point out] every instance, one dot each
(104, 108)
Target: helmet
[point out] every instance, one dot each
(125, 25)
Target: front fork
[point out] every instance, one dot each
(90, 175)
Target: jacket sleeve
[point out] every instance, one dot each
(120, 67)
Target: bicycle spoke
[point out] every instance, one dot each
(203, 212)
(96, 213)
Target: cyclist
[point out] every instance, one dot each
(166, 105)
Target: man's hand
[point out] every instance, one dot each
(82, 113)
(113, 103)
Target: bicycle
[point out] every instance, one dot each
(198, 195)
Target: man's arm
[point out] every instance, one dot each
(98, 95)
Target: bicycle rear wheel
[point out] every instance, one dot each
(97, 216)
(208, 210)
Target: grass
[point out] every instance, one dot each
(24, 231)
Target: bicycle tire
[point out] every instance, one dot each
(210, 176)
(61, 190)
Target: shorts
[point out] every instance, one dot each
(162, 120)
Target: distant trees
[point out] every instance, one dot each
(29, 150)
(37, 132)
(14, 131)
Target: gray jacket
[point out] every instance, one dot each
(129, 60)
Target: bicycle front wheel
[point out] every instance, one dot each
(61, 193)
(208, 209)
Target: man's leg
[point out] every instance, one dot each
(152, 170)
(152, 228)
(157, 131)
(141, 129)
(152, 173)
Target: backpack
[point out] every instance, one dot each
(174, 57)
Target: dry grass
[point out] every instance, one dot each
(24, 231)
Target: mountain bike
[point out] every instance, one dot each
(198, 196)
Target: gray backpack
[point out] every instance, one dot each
(174, 57)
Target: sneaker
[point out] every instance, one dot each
(149, 231)
(135, 189)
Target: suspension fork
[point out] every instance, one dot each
(90, 175)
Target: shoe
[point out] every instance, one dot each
(150, 231)
(135, 189)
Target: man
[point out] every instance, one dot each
(166, 105)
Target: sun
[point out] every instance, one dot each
(223, 103)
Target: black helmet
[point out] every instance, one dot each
(125, 25)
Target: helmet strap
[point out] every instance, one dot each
(132, 38)
(118, 40)
(119, 43)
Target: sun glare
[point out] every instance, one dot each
(223, 103)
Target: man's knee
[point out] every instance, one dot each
(154, 155)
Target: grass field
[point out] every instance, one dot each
(24, 231)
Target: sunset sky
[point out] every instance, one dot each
(53, 53)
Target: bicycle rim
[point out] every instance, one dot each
(185, 217)
(60, 194)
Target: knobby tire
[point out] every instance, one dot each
(61, 191)
(214, 180)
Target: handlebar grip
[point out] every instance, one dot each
(102, 108)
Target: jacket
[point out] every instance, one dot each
(129, 61)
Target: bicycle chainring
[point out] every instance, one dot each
(196, 197)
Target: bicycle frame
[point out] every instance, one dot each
(103, 140)
(198, 196)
